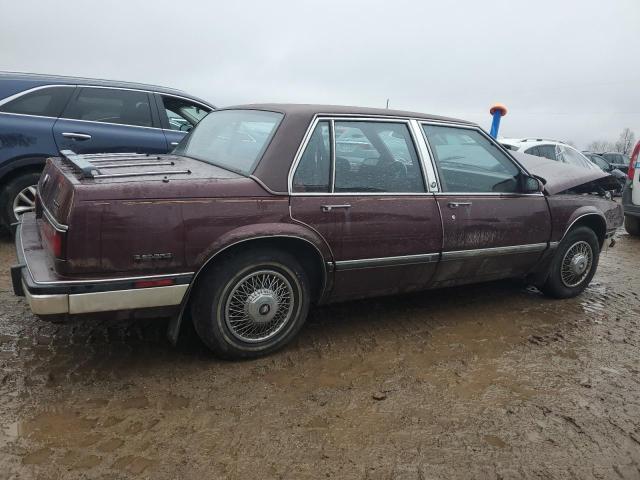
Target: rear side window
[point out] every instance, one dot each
(569, 155)
(533, 151)
(182, 115)
(548, 151)
(45, 102)
(312, 174)
(126, 107)
(468, 162)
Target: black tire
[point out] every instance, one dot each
(577, 238)
(9, 193)
(632, 225)
(213, 299)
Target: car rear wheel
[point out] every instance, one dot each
(251, 303)
(632, 225)
(574, 264)
(19, 197)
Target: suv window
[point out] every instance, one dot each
(182, 114)
(312, 174)
(469, 162)
(45, 102)
(548, 151)
(533, 151)
(376, 157)
(126, 107)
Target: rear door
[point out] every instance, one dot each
(178, 115)
(360, 183)
(99, 119)
(491, 229)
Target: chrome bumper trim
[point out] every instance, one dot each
(105, 301)
(46, 304)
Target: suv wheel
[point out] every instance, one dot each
(632, 225)
(574, 264)
(251, 304)
(18, 197)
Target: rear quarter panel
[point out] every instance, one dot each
(565, 209)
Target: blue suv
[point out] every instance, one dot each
(43, 114)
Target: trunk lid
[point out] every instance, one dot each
(560, 177)
(104, 168)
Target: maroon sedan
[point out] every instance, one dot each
(264, 210)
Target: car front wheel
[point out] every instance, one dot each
(574, 264)
(251, 304)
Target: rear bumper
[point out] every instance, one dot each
(57, 296)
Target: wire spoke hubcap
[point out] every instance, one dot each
(576, 264)
(25, 201)
(259, 306)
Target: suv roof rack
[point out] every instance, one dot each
(91, 165)
(537, 139)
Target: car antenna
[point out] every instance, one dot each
(387, 104)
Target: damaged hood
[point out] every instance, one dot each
(561, 176)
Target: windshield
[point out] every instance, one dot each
(232, 139)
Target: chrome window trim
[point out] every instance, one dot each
(15, 96)
(208, 107)
(429, 173)
(60, 227)
(41, 87)
(493, 251)
(356, 118)
(108, 123)
(491, 140)
(489, 194)
(387, 261)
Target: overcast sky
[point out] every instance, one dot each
(566, 69)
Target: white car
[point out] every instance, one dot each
(631, 195)
(551, 149)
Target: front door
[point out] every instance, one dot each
(368, 200)
(98, 120)
(491, 229)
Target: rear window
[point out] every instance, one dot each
(232, 139)
(44, 102)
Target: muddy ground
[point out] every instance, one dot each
(490, 381)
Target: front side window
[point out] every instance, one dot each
(45, 102)
(312, 173)
(126, 107)
(231, 139)
(376, 157)
(468, 162)
(182, 115)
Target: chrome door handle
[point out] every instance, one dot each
(328, 208)
(458, 204)
(173, 144)
(76, 136)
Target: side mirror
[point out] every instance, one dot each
(532, 185)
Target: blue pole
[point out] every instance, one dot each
(495, 124)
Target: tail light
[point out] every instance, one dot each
(632, 162)
(54, 239)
